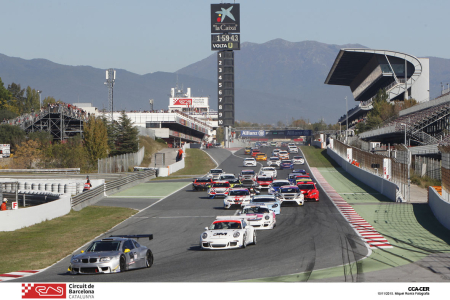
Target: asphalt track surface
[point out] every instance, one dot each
(307, 238)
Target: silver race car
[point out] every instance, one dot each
(115, 254)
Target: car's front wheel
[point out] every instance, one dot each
(254, 238)
(149, 259)
(123, 264)
(244, 241)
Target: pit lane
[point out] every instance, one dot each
(314, 236)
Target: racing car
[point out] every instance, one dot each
(283, 154)
(247, 176)
(290, 194)
(268, 171)
(234, 182)
(273, 161)
(286, 164)
(261, 157)
(268, 200)
(117, 253)
(226, 177)
(228, 232)
(249, 162)
(247, 150)
(215, 173)
(309, 190)
(254, 152)
(201, 183)
(259, 216)
(236, 196)
(263, 181)
(298, 160)
(276, 185)
(293, 149)
(219, 188)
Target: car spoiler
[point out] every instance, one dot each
(238, 217)
(136, 236)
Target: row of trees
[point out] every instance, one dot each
(299, 123)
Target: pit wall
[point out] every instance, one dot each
(164, 172)
(11, 220)
(439, 207)
(383, 186)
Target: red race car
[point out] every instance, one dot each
(309, 190)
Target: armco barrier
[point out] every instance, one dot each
(11, 220)
(385, 187)
(439, 207)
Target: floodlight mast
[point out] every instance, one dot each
(110, 79)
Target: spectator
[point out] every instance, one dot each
(87, 186)
(3, 206)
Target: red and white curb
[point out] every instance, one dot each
(363, 228)
(18, 274)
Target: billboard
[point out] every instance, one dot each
(253, 133)
(225, 18)
(189, 102)
(290, 132)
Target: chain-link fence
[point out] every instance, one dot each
(121, 163)
(426, 166)
(445, 168)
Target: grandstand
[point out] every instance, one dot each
(366, 71)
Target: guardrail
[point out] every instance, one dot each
(62, 170)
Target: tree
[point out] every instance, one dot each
(31, 102)
(13, 135)
(95, 139)
(47, 101)
(5, 96)
(17, 97)
(6, 114)
(27, 154)
(69, 154)
(127, 139)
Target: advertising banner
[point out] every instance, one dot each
(225, 18)
(253, 133)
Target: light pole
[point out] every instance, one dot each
(346, 129)
(40, 103)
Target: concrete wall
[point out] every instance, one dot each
(439, 207)
(383, 186)
(420, 90)
(11, 220)
(318, 144)
(54, 186)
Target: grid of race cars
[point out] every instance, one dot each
(259, 196)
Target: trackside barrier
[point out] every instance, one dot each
(19, 218)
(96, 194)
(61, 170)
(385, 187)
(164, 172)
(439, 207)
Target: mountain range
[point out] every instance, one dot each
(275, 81)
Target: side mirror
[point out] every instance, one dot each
(82, 251)
(126, 251)
(206, 228)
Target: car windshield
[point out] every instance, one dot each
(100, 246)
(289, 190)
(264, 199)
(274, 158)
(297, 157)
(280, 183)
(239, 193)
(218, 225)
(286, 162)
(227, 176)
(215, 171)
(268, 169)
(264, 179)
(249, 159)
(203, 180)
(306, 187)
(225, 184)
(248, 172)
(233, 181)
(255, 210)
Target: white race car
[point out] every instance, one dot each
(249, 162)
(259, 216)
(228, 232)
(263, 181)
(218, 188)
(273, 161)
(247, 176)
(215, 173)
(298, 160)
(293, 149)
(237, 196)
(268, 171)
(290, 194)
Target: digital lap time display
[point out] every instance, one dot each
(221, 38)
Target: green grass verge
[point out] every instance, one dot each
(151, 147)
(197, 162)
(318, 157)
(43, 244)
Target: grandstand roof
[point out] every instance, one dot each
(350, 62)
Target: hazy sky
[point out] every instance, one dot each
(148, 36)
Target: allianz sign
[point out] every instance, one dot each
(253, 133)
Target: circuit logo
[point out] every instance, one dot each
(43, 291)
(223, 13)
